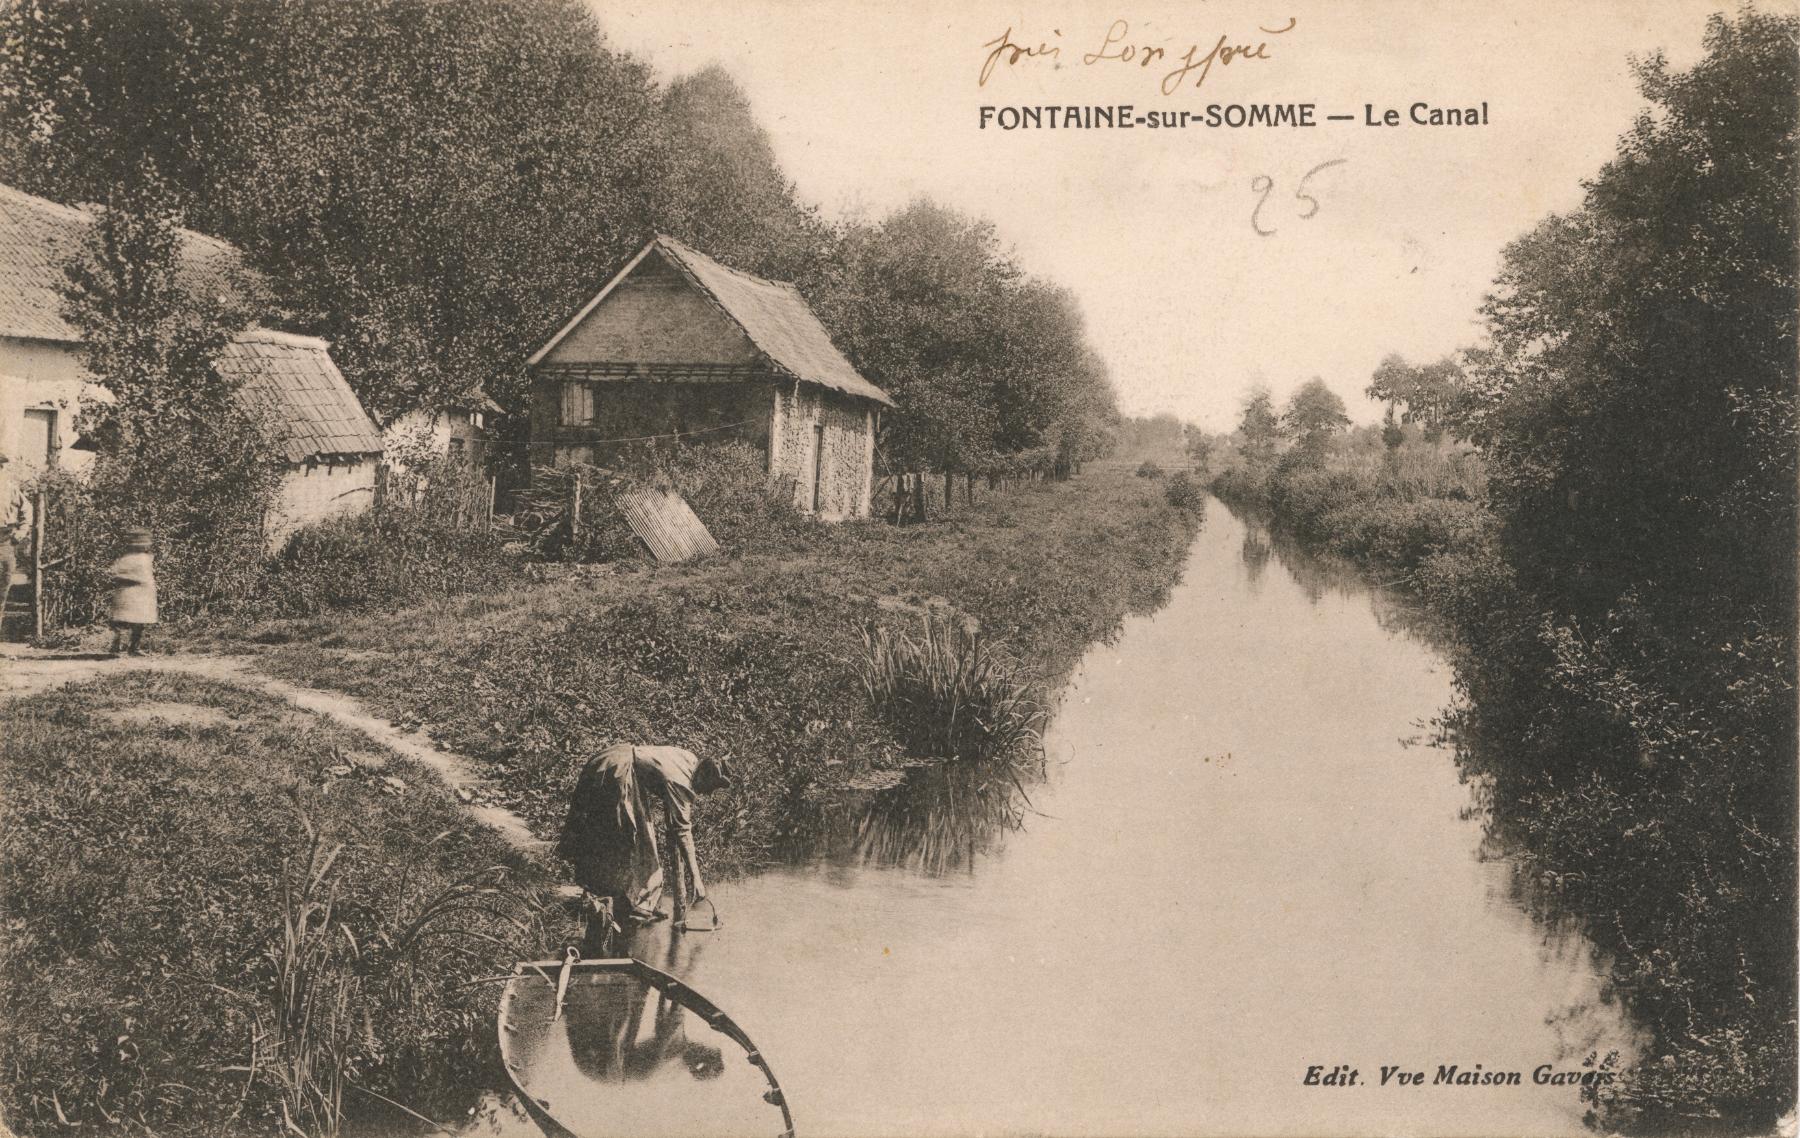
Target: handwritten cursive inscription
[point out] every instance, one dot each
(1007, 52)
(1117, 47)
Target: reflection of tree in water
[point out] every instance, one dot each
(942, 817)
(1316, 575)
(1322, 574)
(1254, 554)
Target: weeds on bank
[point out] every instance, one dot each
(950, 693)
(328, 980)
(206, 928)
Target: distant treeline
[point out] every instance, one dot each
(1600, 502)
(435, 185)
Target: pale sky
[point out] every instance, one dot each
(871, 104)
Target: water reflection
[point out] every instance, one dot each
(613, 1047)
(1255, 553)
(1233, 870)
(937, 819)
(1322, 575)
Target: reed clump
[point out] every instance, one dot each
(950, 693)
(341, 969)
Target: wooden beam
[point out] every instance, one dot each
(618, 372)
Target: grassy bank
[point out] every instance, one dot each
(1639, 766)
(195, 876)
(756, 654)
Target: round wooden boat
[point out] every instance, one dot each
(597, 1048)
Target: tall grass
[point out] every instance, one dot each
(329, 983)
(950, 694)
(315, 990)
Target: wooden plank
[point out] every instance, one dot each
(665, 523)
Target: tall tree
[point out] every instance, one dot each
(1632, 650)
(720, 188)
(1429, 394)
(1259, 428)
(1314, 413)
(178, 452)
(431, 185)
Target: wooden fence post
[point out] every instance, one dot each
(37, 565)
(493, 485)
(575, 507)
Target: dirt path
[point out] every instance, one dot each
(25, 671)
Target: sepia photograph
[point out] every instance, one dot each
(888, 568)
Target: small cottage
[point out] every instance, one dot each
(329, 446)
(679, 345)
(458, 431)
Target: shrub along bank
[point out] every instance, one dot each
(1391, 507)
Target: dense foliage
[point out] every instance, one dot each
(1617, 563)
(435, 185)
(1638, 407)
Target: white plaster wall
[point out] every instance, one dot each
(40, 374)
(314, 491)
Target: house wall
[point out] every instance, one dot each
(845, 476)
(40, 375)
(655, 316)
(436, 432)
(313, 491)
(629, 409)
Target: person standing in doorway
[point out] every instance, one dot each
(133, 576)
(15, 526)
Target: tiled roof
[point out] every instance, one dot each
(39, 237)
(772, 313)
(293, 380)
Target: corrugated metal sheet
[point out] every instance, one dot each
(38, 238)
(772, 313)
(665, 522)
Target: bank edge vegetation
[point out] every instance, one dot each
(1599, 504)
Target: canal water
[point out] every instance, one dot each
(1245, 862)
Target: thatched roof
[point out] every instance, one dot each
(38, 238)
(772, 314)
(293, 380)
(290, 378)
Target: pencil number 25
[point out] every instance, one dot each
(1264, 186)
